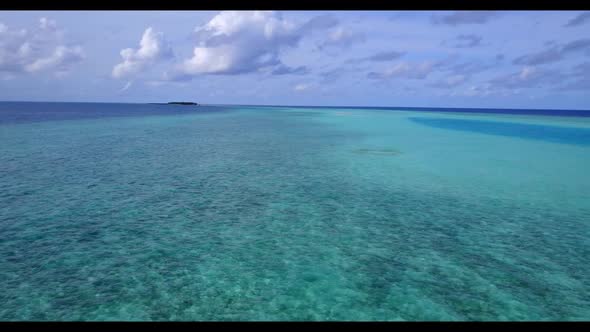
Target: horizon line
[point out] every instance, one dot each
(331, 106)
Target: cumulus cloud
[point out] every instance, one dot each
(341, 37)
(39, 49)
(554, 53)
(457, 73)
(406, 70)
(578, 20)
(302, 87)
(450, 81)
(464, 17)
(152, 48)
(528, 77)
(47, 24)
(60, 59)
(237, 42)
(448, 73)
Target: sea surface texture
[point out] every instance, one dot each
(163, 212)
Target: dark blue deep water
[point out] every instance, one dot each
(556, 134)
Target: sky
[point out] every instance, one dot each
(473, 59)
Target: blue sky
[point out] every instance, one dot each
(505, 59)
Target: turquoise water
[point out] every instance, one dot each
(252, 213)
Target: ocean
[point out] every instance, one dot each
(166, 212)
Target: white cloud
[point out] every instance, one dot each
(527, 72)
(529, 77)
(236, 42)
(450, 81)
(342, 37)
(212, 60)
(152, 47)
(47, 24)
(406, 70)
(302, 87)
(39, 49)
(61, 57)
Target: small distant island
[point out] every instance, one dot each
(182, 103)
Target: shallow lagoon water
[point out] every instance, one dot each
(253, 213)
